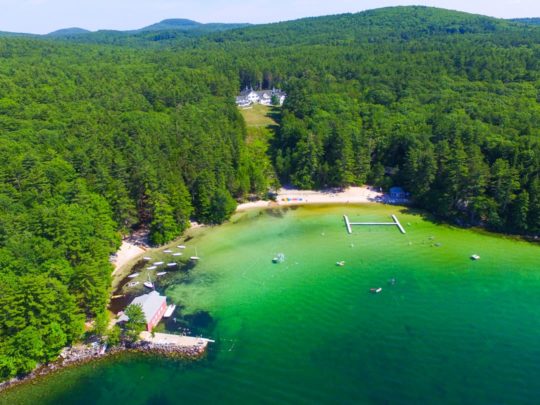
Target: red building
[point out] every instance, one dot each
(153, 306)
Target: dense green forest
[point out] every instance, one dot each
(102, 133)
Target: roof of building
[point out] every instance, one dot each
(248, 91)
(150, 303)
(396, 190)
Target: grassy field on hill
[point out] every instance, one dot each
(260, 115)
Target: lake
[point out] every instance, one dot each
(444, 329)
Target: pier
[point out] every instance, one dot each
(349, 224)
(164, 339)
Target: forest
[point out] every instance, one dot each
(100, 136)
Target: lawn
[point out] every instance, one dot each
(259, 116)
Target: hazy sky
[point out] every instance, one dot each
(42, 16)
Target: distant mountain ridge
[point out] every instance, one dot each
(186, 25)
(68, 32)
(171, 24)
(399, 23)
(531, 20)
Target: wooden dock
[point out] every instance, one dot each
(175, 340)
(347, 223)
(396, 222)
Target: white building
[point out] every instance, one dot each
(264, 97)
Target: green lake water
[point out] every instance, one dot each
(450, 330)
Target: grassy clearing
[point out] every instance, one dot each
(260, 116)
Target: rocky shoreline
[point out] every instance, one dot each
(82, 354)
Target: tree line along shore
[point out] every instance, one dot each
(98, 138)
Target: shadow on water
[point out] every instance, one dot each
(200, 323)
(277, 212)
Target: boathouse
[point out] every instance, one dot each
(153, 305)
(398, 192)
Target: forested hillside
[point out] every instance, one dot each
(93, 142)
(98, 139)
(443, 103)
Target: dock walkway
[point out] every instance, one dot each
(166, 339)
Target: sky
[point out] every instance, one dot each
(43, 16)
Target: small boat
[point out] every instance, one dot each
(341, 263)
(280, 258)
(158, 263)
(196, 257)
(161, 273)
(149, 283)
(133, 275)
(475, 257)
(147, 258)
(181, 247)
(169, 311)
(167, 251)
(177, 254)
(133, 284)
(375, 290)
(172, 264)
(152, 267)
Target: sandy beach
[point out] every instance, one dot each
(286, 197)
(126, 253)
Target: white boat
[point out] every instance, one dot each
(152, 267)
(169, 311)
(177, 254)
(279, 258)
(147, 258)
(375, 290)
(341, 263)
(133, 275)
(161, 273)
(172, 264)
(475, 257)
(181, 247)
(133, 284)
(167, 251)
(196, 257)
(158, 263)
(149, 283)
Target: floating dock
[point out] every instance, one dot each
(349, 224)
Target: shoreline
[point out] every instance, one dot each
(292, 197)
(134, 246)
(139, 348)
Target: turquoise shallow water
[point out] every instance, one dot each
(450, 330)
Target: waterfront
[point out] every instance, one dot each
(307, 331)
